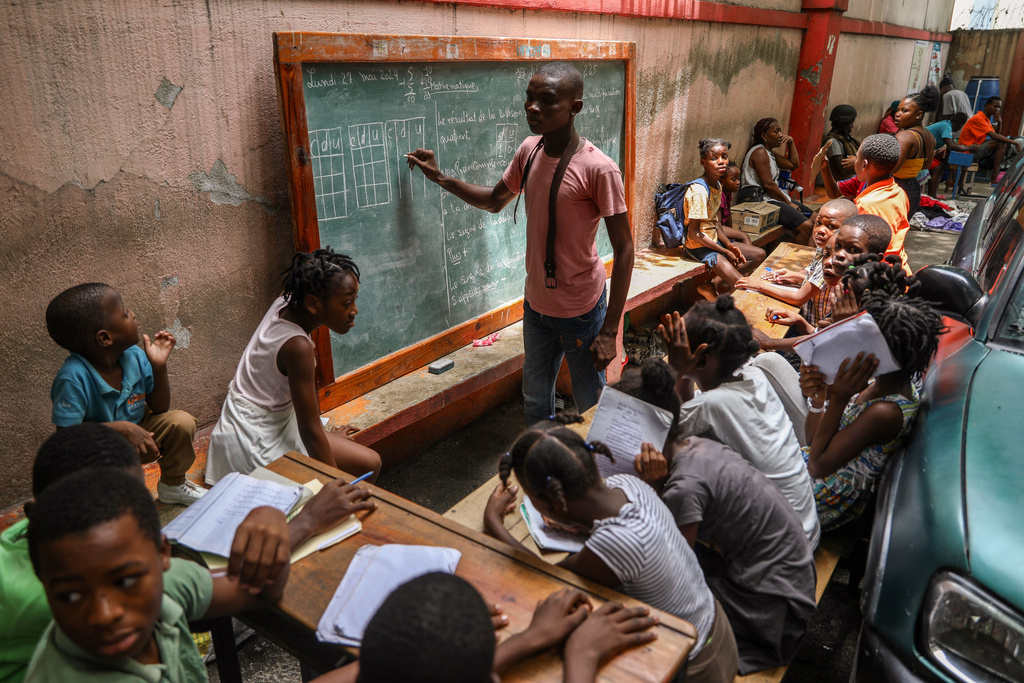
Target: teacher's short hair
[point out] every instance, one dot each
(433, 628)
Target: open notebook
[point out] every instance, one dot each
(828, 348)
(374, 573)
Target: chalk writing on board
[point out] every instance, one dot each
(370, 164)
(328, 161)
(404, 136)
(508, 141)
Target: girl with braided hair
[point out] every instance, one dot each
(709, 348)
(272, 405)
(634, 544)
(856, 424)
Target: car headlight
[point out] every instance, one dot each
(970, 634)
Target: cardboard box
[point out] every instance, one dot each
(753, 217)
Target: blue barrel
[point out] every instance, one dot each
(979, 89)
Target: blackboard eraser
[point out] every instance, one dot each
(439, 366)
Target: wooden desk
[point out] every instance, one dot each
(754, 304)
(511, 578)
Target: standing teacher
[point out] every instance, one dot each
(565, 312)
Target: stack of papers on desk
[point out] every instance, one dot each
(210, 523)
(375, 572)
(623, 423)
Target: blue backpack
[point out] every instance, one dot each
(668, 202)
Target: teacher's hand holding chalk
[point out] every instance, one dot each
(424, 160)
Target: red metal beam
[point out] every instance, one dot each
(814, 80)
(880, 28)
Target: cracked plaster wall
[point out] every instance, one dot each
(141, 147)
(870, 72)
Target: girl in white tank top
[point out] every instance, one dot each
(272, 405)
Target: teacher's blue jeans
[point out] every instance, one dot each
(546, 340)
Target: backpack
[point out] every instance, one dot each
(668, 202)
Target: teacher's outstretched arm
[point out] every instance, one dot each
(492, 199)
(604, 349)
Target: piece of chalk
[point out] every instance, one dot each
(439, 366)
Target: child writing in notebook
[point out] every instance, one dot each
(812, 280)
(737, 406)
(856, 424)
(272, 405)
(701, 205)
(634, 544)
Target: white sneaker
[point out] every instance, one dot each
(182, 494)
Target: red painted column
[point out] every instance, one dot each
(814, 80)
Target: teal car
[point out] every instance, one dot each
(943, 596)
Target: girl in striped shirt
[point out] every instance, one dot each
(634, 544)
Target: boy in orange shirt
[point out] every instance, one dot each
(881, 196)
(979, 131)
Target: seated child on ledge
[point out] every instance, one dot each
(739, 238)
(109, 379)
(272, 405)
(701, 206)
(120, 604)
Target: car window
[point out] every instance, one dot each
(1011, 328)
(1001, 203)
(1003, 237)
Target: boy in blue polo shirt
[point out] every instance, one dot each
(109, 379)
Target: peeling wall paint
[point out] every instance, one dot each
(870, 72)
(167, 93)
(983, 53)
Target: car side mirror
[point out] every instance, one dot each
(952, 291)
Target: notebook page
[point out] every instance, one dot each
(828, 348)
(623, 423)
(211, 526)
(544, 536)
(374, 573)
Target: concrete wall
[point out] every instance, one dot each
(982, 53)
(870, 73)
(931, 15)
(141, 147)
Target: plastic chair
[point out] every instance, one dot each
(962, 161)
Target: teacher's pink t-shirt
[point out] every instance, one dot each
(591, 189)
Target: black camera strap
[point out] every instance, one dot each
(550, 280)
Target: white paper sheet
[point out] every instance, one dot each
(845, 339)
(544, 536)
(374, 573)
(623, 423)
(209, 524)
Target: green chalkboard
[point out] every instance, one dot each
(428, 260)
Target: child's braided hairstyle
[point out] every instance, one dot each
(551, 458)
(316, 273)
(725, 330)
(909, 324)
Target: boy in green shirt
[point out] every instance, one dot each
(120, 604)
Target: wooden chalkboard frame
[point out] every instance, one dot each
(293, 49)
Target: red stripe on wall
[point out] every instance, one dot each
(701, 10)
(693, 10)
(879, 28)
